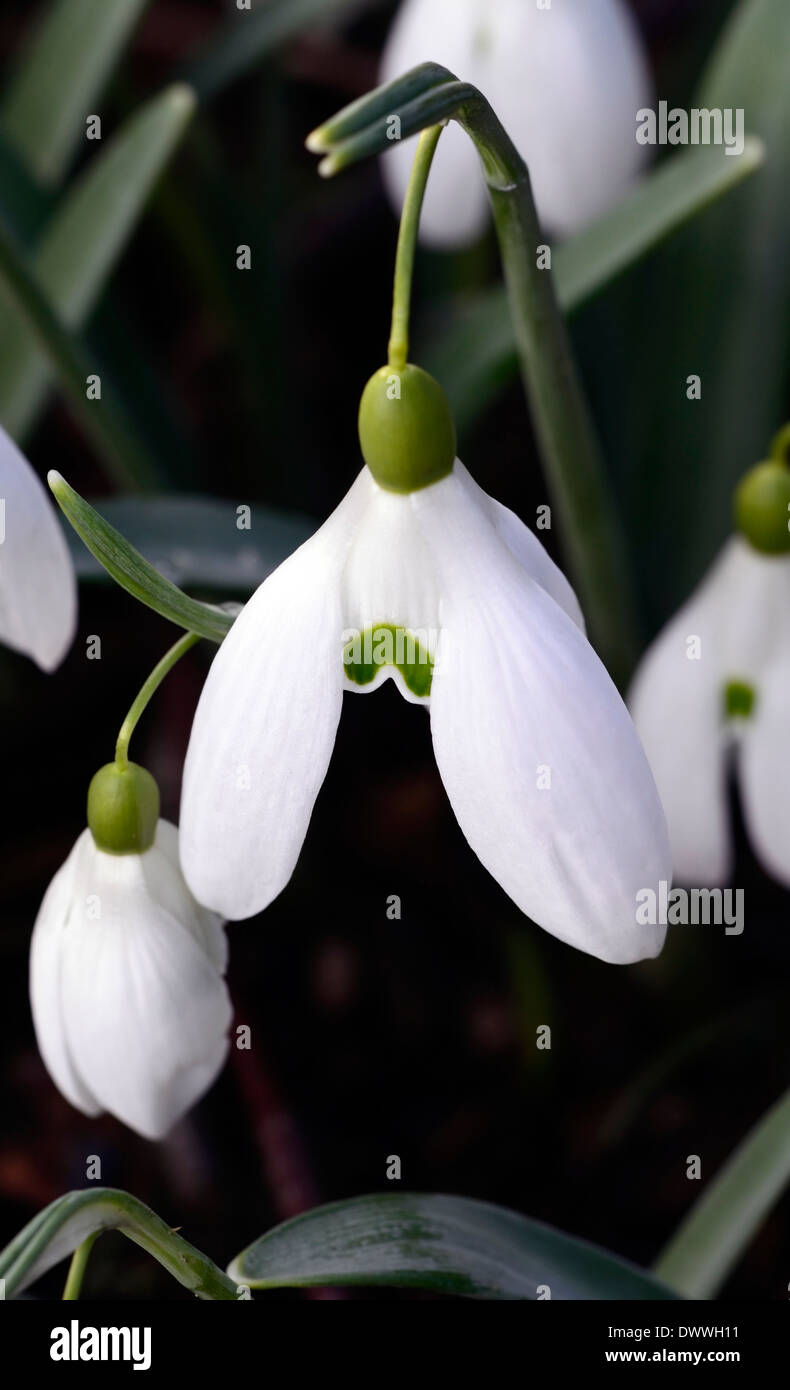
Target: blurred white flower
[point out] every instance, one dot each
(537, 752)
(715, 684)
(126, 983)
(38, 591)
(565, 82)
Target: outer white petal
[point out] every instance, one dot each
(145, 1009)
(764, 768)
(566, 82)
(677, 701)
(518, 690)
(455, 210)
(38, 592)
(70, 884)
(527, 549)
(265, 725)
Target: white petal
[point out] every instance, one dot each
(677, 700)
(527, 549)
(566, 82)
(46, 956)
(265, 726)
(764, 768)
(519, 691)
(172, 893)
(38, 592)
(145, 1009)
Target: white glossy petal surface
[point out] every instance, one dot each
(518, 693)
(129, 1003)
(38, 591)
(266, 723)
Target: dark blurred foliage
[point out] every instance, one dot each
(371, 1037)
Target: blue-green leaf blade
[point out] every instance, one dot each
(447, 1244)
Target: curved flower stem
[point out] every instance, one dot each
(79, 1263)
(151, 685)
(407, 246)
(68, 1223)
(569, 449)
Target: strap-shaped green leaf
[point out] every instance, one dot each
(128, 568)
(731, 1210)
(450, 1245)
(59, 76)
(83, 242)
(57, 1231)
(475, 352)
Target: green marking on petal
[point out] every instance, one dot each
(388, 645)
(739, 698)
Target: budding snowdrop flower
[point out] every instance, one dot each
(714, 688)
(126, 971)
(566, 82)
(420, 576)
(38, 592)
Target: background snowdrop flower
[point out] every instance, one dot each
(126, 970)
(420, 576)
(566, 83)
(715, 684)
(38, 591)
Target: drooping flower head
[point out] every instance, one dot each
(566, 81)
(38, 591)
(126, 970)
(713, 692)
(420, 577)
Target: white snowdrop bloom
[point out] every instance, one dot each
(714, 688)
(448, 593)
(38, 591)
(566, 83)
(129, 1002)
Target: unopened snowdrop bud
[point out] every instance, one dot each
(762, 507)
(129, 1002)
(406, 429)
(123, 808)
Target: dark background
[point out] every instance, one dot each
(370, 1037)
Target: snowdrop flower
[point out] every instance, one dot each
(566, 83)
(126, 971)
(421, 577)
(38, 592)
(715, 687)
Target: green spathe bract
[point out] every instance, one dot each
(762, 507)
(406, 429)
(123, 808)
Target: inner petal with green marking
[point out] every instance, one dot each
(739, 699)
(387, 645)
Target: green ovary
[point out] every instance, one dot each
(739, 698)
(388, 645)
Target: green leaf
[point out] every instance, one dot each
(475, 353)
(59, 76)
(104, 421)
(731, 1210)
(450, 1245)
(250, 36)
(134, 574)
(57, 1231)
(84, 240)
(195, 542)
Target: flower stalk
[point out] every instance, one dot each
(146, 692)
(571, 456)
(407, 246)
